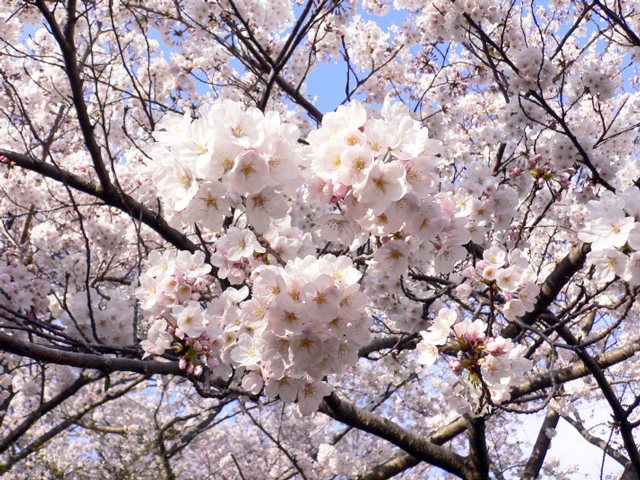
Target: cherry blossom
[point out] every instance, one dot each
(318, 239)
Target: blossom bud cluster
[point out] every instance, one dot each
(510, 276)
(228, 157)
(484, 365)
(21, 290)
(303, 322)
(171, 290)
(543, 173)
(613, 230)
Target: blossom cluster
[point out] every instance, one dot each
(228, 157)
(235, 254)
(613, 230)
(171, 291)
(509, 275)
(303, 322)
(446, 20)
(239, 251)
(379, 175)
(23, 292)
(486, 367)
(89, 317)
(484, 203)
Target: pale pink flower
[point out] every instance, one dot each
(249, 175)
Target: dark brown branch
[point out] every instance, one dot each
(400, 343)
(421, 448)
(294, 39)
(553, 284)
(614, 18)
(120, 201)
(66, 43)
(42, 410)
(403, 461)
(86, 360)
(598, 442)
(577, 370)
(478, 455)
(535, 383)
(390, 468)
(541, 447)
(619, 414)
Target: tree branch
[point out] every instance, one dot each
(421, 448)
(42, 410)
(104, 364)
(551, 287)
(541, 447)
(120, 201)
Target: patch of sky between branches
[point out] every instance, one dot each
(326, 84)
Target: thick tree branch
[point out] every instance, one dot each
(404, 461)
(598, 442)
(541, 447)
(619, 414)
(577, 370)
(66, 42)
(423, 449)
(406, 343)
(42, 410)
(478, 455)
(551, 287)
(392, 467)
(621, 22)
(118, 200)
(104, 364)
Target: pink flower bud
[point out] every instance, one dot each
(200, 283)
(533, 161)
(338, 192)
(496, 346)
(469, 272)
(455, 365)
